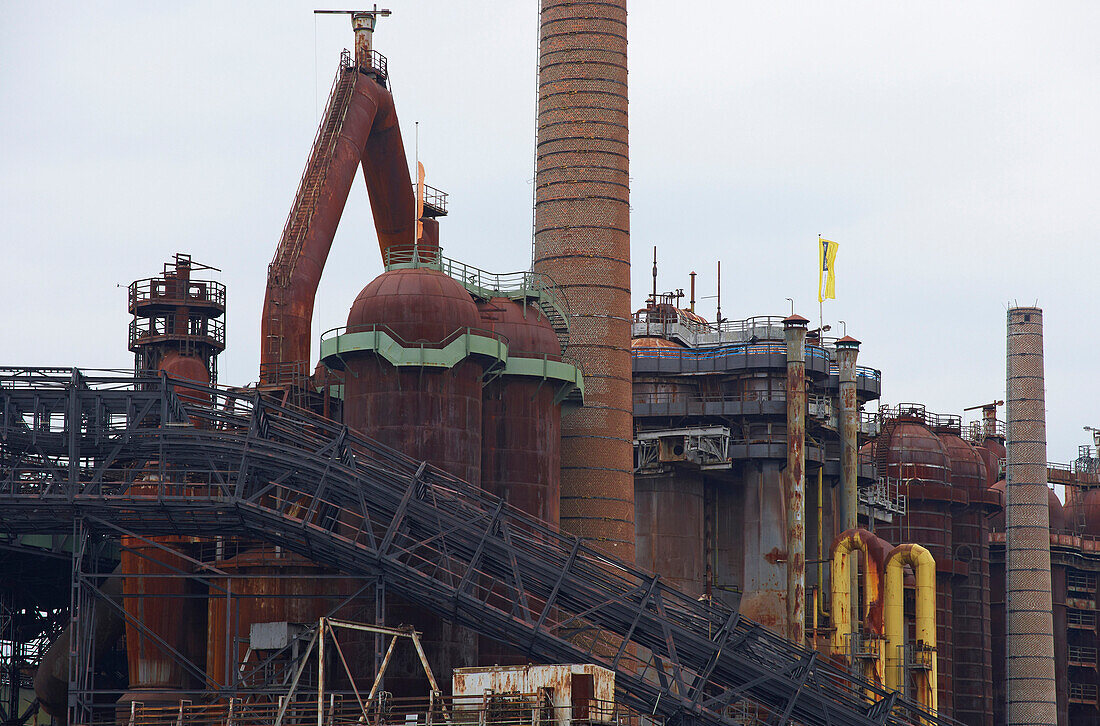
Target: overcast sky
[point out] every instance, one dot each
(951, 149)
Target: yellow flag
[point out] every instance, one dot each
(826, 277)
(419, 200)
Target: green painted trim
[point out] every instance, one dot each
(380, 342)
(567, 377)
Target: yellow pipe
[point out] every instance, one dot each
(849, 541)
(841, 605)
(894, 618)
(820, 610)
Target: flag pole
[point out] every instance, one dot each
(820, 300)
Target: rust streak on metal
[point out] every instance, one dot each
(360, 126)
(795, 477)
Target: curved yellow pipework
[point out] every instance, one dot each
(924, 566)
(840, 567)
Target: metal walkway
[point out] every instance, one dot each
(71, 443)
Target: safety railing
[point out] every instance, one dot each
(435, 200)
(491, 709)
(1081, 655)
(976, 431)
(812, 352)
(313, 176)
(208, 331)
(1081, 619)
(439, 542)
(862, 372)
(161, 291)
(1082, 692)
(679, 325)
(522, 285)
(1081, 582)
(423, 344)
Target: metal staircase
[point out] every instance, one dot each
(72, 442)
(313, 178)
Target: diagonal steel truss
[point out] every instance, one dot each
(71, 442)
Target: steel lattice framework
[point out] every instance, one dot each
(72, 442)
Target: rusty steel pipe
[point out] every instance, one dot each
(924, 568)
(582, 241)
(794, 479)
(362, 116)
(847, 349)
(843, 563)
(1030, 672)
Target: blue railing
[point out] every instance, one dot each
(812, 352)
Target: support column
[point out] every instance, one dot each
(794, 477)
(1030, 674)
(847, 349)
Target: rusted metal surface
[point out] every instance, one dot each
(521, 431)
(972, 644)
(795, 477)
(669, 520)
(1030, 674)
(429, 414)
(152, 597)
(844, 601)
(577, 692)
(267, 586)
(360, 126)
(762, 520)
(847, 350)
(916, 456)
(582, 241)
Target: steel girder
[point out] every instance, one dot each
(71, 443)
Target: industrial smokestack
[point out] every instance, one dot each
(847, 349)
(582, 241)
(1030, 679)
(794, 330)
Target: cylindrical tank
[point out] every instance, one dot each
(156, 589)
(916, 458)
(266, 586)
(429, 413)
(972, 647)
(582, 242)
(521, 424)
(521, 431)
(669, 528)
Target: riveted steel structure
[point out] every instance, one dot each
(582, 241)
(972, 644)
(1030, 672)
(373, 512)
(520, 430)
(909, 451)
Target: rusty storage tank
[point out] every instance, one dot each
(177, 329)
(405, 388)
(267, 585)
(973, 675)
(997, 601)
(521, 426)
(915, 456)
